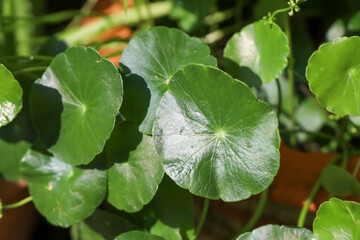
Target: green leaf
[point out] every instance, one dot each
(216, 138)
(337, 29)
(189, 13)
(62, 193)
(136, 235)
(276, 232)
(75, 103)
(101, 225)
(136, 169)
(337, 219)
(171, 211)
(333, 73)
(261, 47)
(338, 182)
(165, 231)
(354, 23)
(10, 96)
(155, 55)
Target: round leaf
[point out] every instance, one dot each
(75, 103)
(261, 47)
(136, 169)
(276, 232)
(10, 96)
(62, 193)
(337, 219)
(101, 225)
(338, 182)
(136, 235)
(155, 55)
(216, 138)
(333, 73)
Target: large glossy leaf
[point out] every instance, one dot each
(261, 47)
(276, 232)
(75, 103)
(338, 182)
(101, 225)
(10, 96)
(155, 55)
(62, 193)
(333, 73)
(216, 138)
(136, 169)
(337, 219)
(136, 235)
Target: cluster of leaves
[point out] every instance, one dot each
(86, 135)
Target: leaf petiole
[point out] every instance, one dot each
(19, 203)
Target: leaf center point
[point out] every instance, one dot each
(220, 134)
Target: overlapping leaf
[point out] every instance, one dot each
(75, 103)
(337, 219)
(62, 193)
(154, 56)
(261, 47)
(136, 235)
(338, 182)
(276, 232)
(101, 225)
(136, 169)
(10, 96)
(216, 138)
(333, 73)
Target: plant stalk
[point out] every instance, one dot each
(202, 216)
(257, 214)
(85, 34)
(19, 203)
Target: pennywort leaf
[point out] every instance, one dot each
(154, 56)
(75, 103)
(216, 138)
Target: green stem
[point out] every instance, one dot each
(202, 216)
(316, 134)
(84, 34)
(219, 34)
(33, 57)
(356, 168)
(279, 107)
(345, 156)
(30, 70)
(290, 73)
(19, 203)
(257, 214)
(316, 187)
(279, 11)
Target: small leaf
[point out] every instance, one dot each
(136, 169)
(216, 138)
(170, 212)
(101, 225)
(137, 235)
(338, 182)
(10, 96)
(333, 73)
(337, 219)
(155, 55)
(354, 23)
(165, 231)
(337, 29)
(62, 193)
(276, 232)
(261, 47)
(75, 103)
